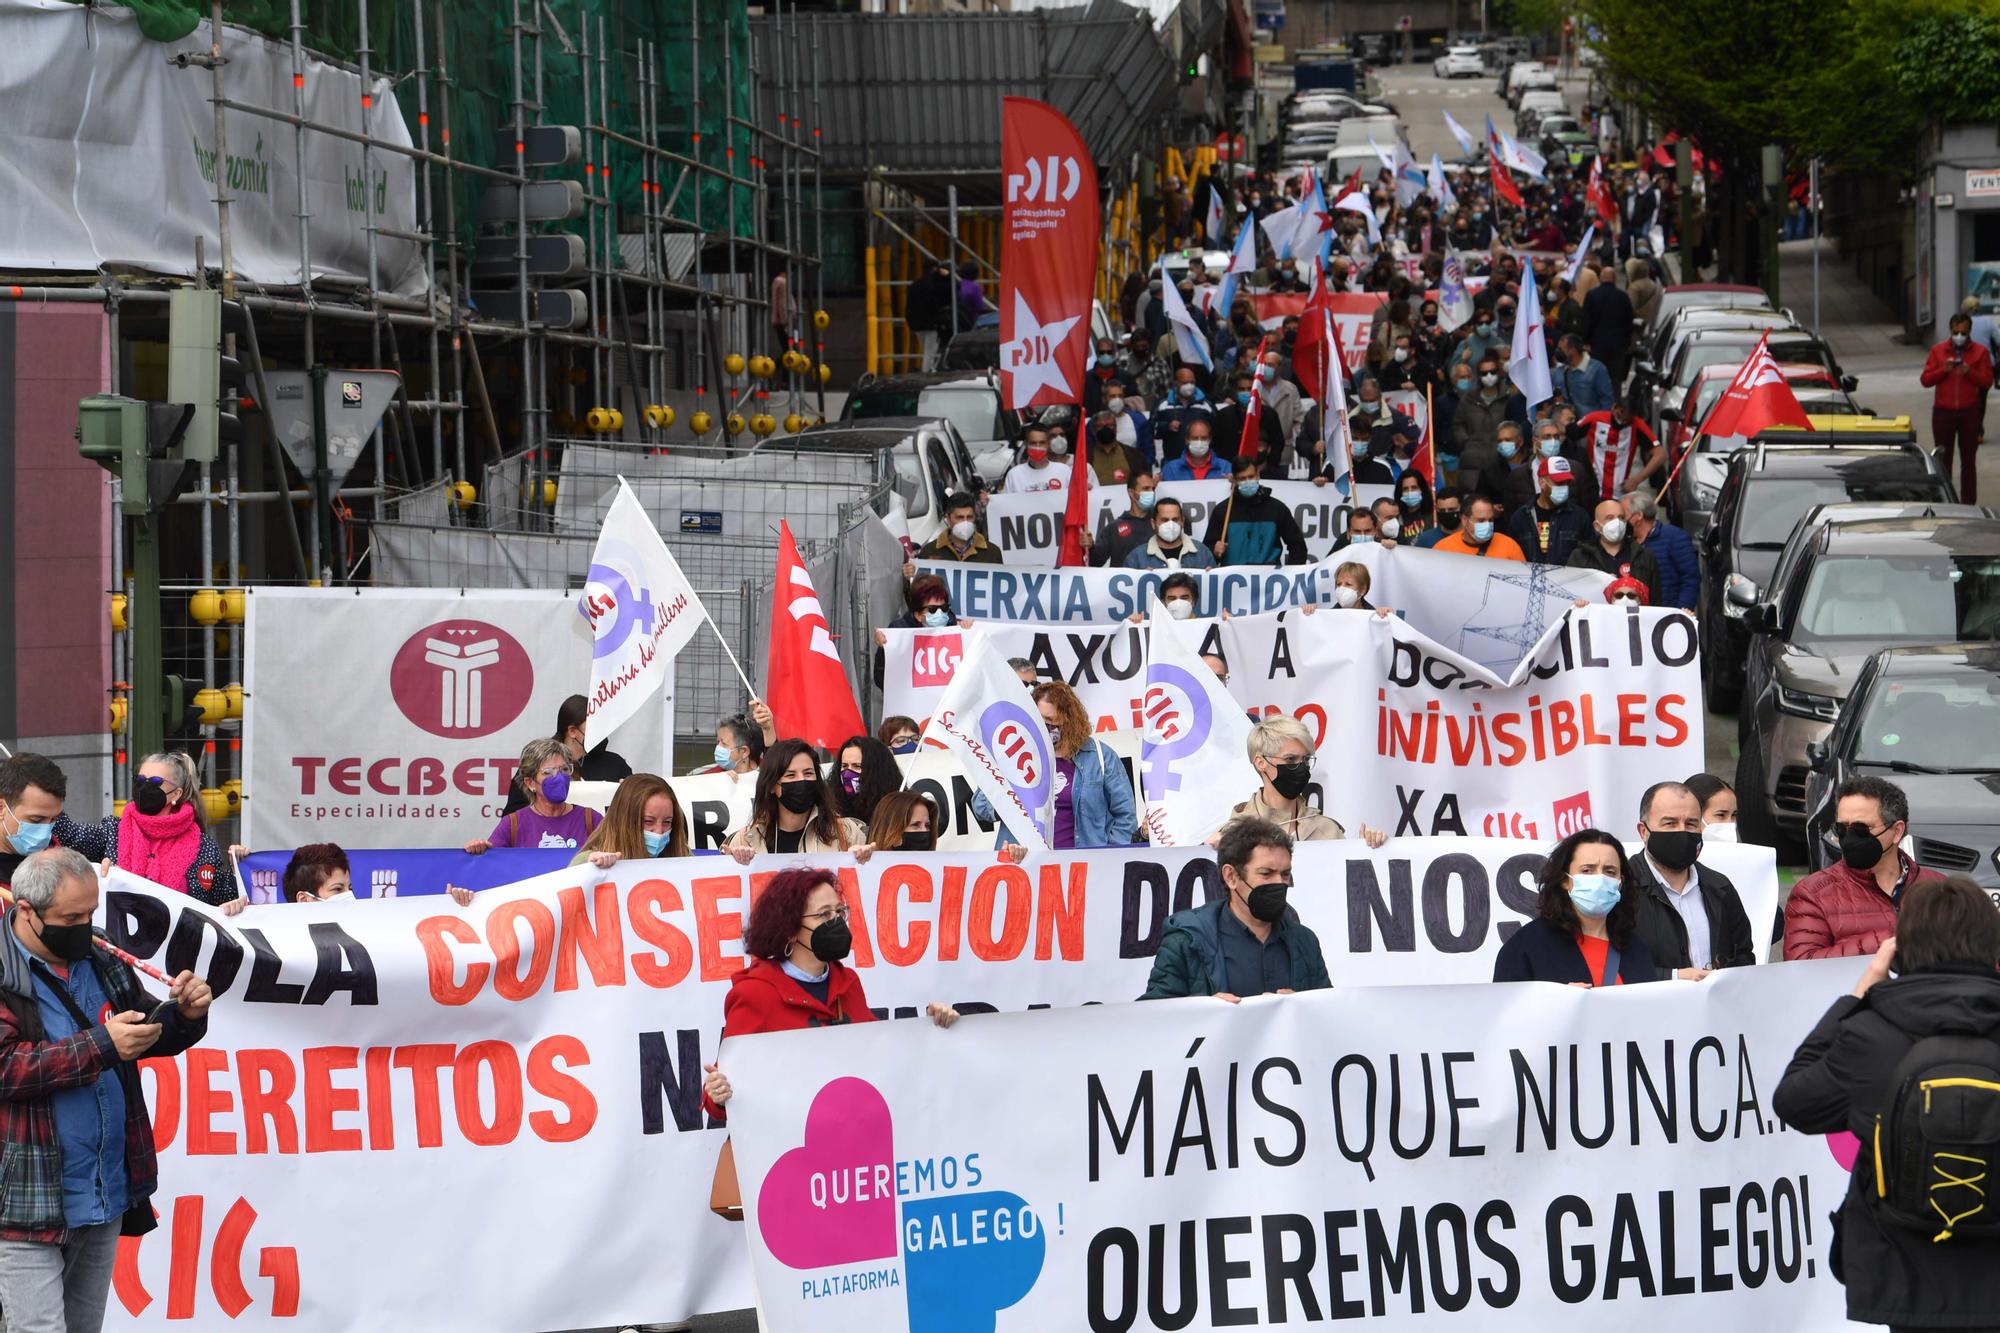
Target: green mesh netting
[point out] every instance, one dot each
(479, 60)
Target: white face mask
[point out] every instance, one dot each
(1198, 448)
(1170, 532)
(1718, 832)
(1614, 530)
(1389, 527)
(1402, 354)
(1346, 595)
(1059, 445)
(962, 532)
(1180, 609)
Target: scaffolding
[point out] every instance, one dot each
(703, 296)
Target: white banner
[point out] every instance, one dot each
(113, 156)
(1526, 1157)
(395, 717)
(988, 722)
(641, 611)
(450, 1072)
(1027, 528)
(1194, 759)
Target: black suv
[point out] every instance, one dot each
(1766, 491)
(1926, 719)
(1858, 588)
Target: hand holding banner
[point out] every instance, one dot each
(988, 718)
(640, 608)
(1194, 764)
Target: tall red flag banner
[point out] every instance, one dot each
(1253, 413)
(1503, 181)
(1076, 515)
(1598, 192)
(1756, 400)
(806, 687)
(1048, 254)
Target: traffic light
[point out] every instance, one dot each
(194, 366)
(142, 444)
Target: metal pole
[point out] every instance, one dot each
(451, 246)
(609, 219)
(951, 208)
(591, 210)
(1812, 202)
(216, 60)
(735, 315)
(121, 648)
(700, 237)
(429, 228)
(521, 248)
(368, 222)
(819, 228)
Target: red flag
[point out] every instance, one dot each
(1503, 180)
(1599, 194)
(1350, 185)
(1048, 254)
(1254, 412)
(806, 686)
(1076, 513)
(1756, 400)
(1308, 353)
(1424, 460)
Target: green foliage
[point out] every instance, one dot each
(1949, 64)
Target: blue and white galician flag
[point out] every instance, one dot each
(1458, 133)
(989, 720)
(1528, 364)
(1581, 256)
(640, 608)
(1440, 186)
(1188, 336)
(1242, 259)
(1409, 178)
(1194, 761)
(1454, 301)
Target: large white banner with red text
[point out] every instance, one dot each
(395, 717)
(1524, 1157)
(396, 1090)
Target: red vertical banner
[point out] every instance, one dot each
(1048, 254)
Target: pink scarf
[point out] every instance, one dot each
(159, 847)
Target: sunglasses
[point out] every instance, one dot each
(1842, 829)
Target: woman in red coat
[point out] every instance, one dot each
(798, 935)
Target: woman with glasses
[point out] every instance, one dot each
(548, 820)
(161, 835)
(797, 935)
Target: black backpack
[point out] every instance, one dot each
(1937, 1143)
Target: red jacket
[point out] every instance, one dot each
(1840, 912)
(763, 999)
(1958, 390)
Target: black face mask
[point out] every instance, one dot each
(1676, 851)
(798, 797)
(830, 941)
(1860, 849)
(1106, 434)
(69, 943)
(150, 798)
(918, 841)
(1448, 519)
(1291, 780)
(1267, 901)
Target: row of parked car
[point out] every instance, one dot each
(1850, 606)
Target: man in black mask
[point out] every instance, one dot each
(1690, 912)
(1247, 942)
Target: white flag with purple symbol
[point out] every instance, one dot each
(640, 608)
(1194, 765)
(989, 720)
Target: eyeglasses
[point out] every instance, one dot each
(825, 915)
(1842, 828)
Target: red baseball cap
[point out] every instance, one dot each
(1555, 469)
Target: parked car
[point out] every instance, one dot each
(1858, 588)
(1924, 718)
(1765, 490)
(1681, 295)
(1526, 74)
(1711, 347)
(924, 455)
(971, 402)
(1827, 406)
(1459, 62)
(1655, 362)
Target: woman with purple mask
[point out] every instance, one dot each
(548, 820)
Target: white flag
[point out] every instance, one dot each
(1357, 202)
(1440, 186)
(1458, 133)
(1581, 256)
(1528, 365)
(640, 608)
(1187, 334)
(989, 720)
(1194, 762)
(1454, 301)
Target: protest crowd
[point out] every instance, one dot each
(1462, 358)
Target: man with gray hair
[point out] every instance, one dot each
(1672, 548)
(78, 1142)
(1281, 750)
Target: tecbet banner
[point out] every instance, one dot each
(1028, 528)
(539, 1052)
(117, 161)
(1528, 1157)
(386, 717)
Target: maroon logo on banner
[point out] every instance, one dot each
(462, 679)
(1048, 254)
(1572, 814)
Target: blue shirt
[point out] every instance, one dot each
(90, 1121)
(1253, 966)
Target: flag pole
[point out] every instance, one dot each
(730, 653)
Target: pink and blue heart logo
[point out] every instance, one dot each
(832, 1199)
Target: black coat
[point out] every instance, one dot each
(1590, 554)
(599, 765)
(1607, 321)
(1838, 1080)
(1540, 951)
(1729, 941)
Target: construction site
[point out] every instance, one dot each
(459, 268)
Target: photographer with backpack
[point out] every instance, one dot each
(1910, 1065)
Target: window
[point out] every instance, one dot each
(1944, 722)
(1775, 505)
(1915, 598)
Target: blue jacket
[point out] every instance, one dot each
(1590, 388)
(1673, 552)
(1101, 797)
(1218, 470)
(1170, 419)
(1190, 960)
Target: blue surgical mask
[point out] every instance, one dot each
(1360, 538)
(1508, 448)
(1247, 489)
(937, 619)
(722, 753)
(1482, 531)
(1559, 495)
(1485, 330)
(1105, 359)
(1411, 499)
(1147, 499)
(1549, 447)
(656, 843)
(1463, 386)
(30, 838)
(1594, 895)
(1243, 397)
